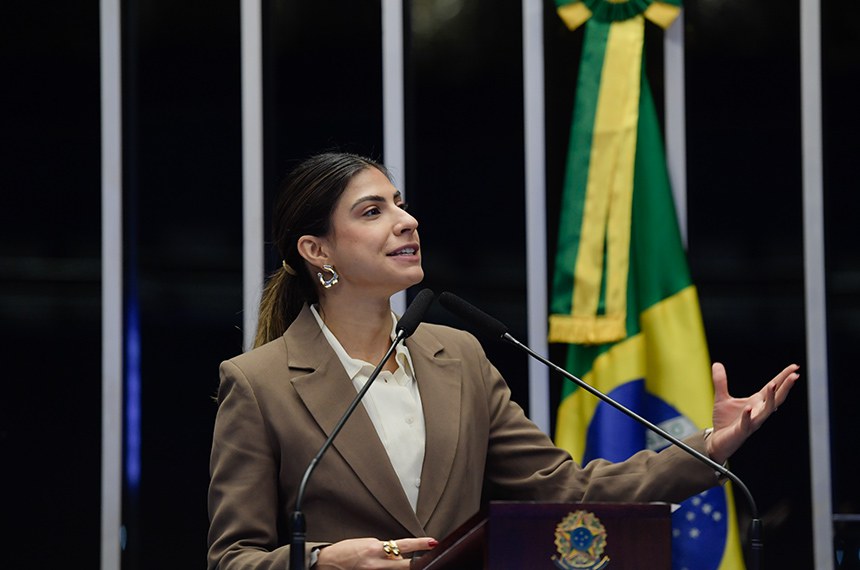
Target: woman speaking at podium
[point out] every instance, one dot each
(436, 434)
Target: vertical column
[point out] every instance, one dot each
(817, 379)
(675, 112)
(393, 129)
(112, 335)
(252, 167)
(535, 159)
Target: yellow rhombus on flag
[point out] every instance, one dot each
(622, 294)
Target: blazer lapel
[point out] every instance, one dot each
(439, 382)
(327, 392)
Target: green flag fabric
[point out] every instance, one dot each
(622, 295)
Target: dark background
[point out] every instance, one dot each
(465, 177)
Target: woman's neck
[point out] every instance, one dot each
(363, 327)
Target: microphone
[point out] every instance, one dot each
(494, 328)
(407, 324)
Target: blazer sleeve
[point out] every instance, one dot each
(524, 464)
(243, 490)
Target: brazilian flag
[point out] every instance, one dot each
(622, 294)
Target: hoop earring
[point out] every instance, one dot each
(328, 283)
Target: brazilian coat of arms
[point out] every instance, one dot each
(580, 539)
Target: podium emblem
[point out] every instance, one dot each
(579, 540)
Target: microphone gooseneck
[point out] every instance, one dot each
(407, 324)
(494, 328)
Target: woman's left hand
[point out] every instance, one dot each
(735, 419)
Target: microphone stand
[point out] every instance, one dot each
(297, 521)
(405, 327)
(755, 525)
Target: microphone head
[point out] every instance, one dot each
(482, 321)
(415, 312)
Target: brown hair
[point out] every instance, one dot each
(304, 207)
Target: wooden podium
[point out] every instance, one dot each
(532, 536)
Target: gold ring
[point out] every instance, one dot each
(391, 549)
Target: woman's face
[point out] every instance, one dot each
(373, 243)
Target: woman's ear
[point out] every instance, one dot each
(314, 250)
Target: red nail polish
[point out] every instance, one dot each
(432, 542)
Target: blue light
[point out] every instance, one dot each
(132, 398)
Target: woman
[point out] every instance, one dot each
(437, 432)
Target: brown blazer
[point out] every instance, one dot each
(278, 403)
